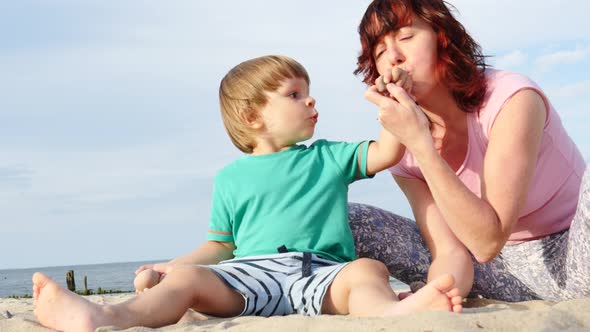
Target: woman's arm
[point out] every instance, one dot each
(484, 224)
(449, 255)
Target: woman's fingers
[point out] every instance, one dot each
(400, 95)
(373, 95)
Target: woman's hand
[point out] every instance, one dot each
(400, 115)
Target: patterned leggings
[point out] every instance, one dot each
(554, 268)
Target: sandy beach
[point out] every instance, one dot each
(479, 315)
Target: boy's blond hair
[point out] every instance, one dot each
(242, 93)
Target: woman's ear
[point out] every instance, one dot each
(251, 118)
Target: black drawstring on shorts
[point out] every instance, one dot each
(305, 263)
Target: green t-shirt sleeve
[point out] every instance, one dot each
(363, 151)
(220, 222)
(346, 156)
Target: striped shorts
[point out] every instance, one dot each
(279, 284)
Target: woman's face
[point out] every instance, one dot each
(412, 48)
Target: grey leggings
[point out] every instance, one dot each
(556, 267)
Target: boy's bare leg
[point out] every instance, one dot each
(362, 289)
(183, 288)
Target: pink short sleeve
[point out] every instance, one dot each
(407, 167)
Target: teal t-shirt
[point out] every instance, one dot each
(297, 198)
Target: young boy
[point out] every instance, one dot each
(279, 241)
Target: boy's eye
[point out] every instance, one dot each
(294, 95)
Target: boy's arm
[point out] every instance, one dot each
(211, 252)
(388, 150)
(384, 153)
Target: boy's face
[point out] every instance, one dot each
(289, 115)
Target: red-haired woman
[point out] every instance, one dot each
(496, 185)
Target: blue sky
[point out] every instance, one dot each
(110, 127)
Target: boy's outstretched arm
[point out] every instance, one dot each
(387, 151)
(384, 153)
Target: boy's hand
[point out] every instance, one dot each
(163, 268)
(149, 275)
(397, 76)
(144, 267)
(160, 267)
(146, 279)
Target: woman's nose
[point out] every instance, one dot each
(395, 56)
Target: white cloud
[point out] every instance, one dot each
(502, 25)
(546, 62)
(578, 89)
(511, 60)
(15, 176)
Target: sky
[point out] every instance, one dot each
(109, 119)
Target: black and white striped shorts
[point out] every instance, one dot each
(279, 284)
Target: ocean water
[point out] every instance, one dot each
(116, 276)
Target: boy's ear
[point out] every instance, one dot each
(251, 118)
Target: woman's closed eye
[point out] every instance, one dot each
(406, 37)
(379, 53)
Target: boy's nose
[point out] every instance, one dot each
(310, 102)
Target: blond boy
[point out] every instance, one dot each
(278, 241)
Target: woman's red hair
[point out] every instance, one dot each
(461, 64)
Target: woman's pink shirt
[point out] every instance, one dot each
(554, 191)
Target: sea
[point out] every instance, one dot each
(110, 276)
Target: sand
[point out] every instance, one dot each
(479, 315)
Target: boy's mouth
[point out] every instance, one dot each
(315, 118)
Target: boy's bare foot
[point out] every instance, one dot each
(438, 294)
(414, 287)
(60, 309)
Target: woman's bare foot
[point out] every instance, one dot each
(60, 309)
(438, 295)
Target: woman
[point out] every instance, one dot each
(490, 173)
